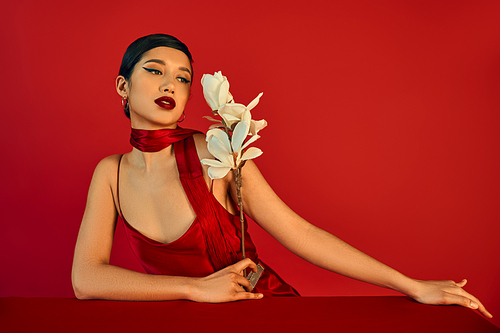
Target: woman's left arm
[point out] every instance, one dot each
(323, 249)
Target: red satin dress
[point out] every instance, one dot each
(211, 243)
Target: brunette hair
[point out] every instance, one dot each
(134, 53)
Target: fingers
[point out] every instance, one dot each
(245, 285)
(245, 263)
(462, 283)
(246, 295)
(243, 281)
(467, 300)
(476, 304)
(451, 298)
(484, 312)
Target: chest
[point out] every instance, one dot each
(154, 202)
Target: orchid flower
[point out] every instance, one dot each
(216, 90)
(230, 153)
(233, 113)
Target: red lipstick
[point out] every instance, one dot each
(165, 102)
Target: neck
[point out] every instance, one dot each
(150, 160)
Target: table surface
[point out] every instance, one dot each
(271, 314)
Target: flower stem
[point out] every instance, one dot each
(237, 178)
(237, 175)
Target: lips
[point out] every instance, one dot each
(165, 102)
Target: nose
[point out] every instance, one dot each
(167, 86)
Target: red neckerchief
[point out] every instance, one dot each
(156, 140)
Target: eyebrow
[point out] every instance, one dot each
(161, 62)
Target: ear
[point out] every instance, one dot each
(122, 86)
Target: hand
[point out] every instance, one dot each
(448, 292)
(226, 285)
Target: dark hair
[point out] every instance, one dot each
(134, 53)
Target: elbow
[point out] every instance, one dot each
(80, 285)
(77, 288)
(80, 292)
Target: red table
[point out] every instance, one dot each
(277, 314)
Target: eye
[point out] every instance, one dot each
(154, 71)
(183, 79)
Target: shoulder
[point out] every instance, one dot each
(199, 139)
(108, 163)
(201, 146)
(107, 168)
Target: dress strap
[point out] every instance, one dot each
(188, 162)
(118, 186)
(204, 204)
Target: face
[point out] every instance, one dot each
(158, 89)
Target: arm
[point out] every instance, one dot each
(93, 277)
(327, 251)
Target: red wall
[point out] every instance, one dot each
(383, 127)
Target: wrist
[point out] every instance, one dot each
(403, 284)
(410, 287)
(193, 289)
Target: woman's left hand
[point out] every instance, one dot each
(448, 292)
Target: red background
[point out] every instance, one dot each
(383, 127)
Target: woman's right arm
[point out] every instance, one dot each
(94, 278)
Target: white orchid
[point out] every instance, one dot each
(230, 153)
(233, 113)
(216, 90)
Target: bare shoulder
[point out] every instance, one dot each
(201, 146)
(107, 168)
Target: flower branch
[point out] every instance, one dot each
(227, 138)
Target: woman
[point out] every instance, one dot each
(181, 225)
